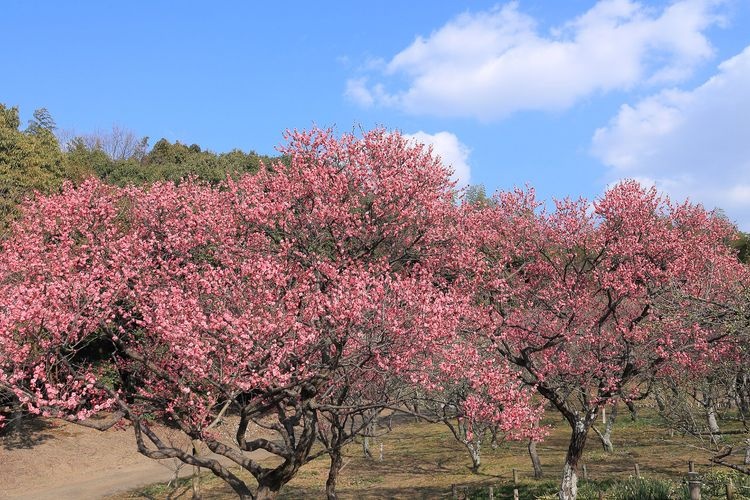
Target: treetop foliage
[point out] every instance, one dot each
(34, 159)
(30, 160)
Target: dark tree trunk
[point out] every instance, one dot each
(660, 402)
(271, 481)
(535, 462)
(196, 479)
(267, 491)
(569, 483)
(240, 488)
(337, 462)
(632, 409)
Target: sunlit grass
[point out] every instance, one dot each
(422, 460)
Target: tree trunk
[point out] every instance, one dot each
(337, 462)
(713, 424)
(476, 457)
(196, 479)
(366, 447)
(267, 492)
(632, 409)
(660, 402)
(606, 436)
(369, 430)
(535, 462)
(569, 483)
(742, 387)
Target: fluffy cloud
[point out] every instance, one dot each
(490, 64)
(451, 151)
(689, 143)
(357, 91)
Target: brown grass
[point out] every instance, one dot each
(423, 460)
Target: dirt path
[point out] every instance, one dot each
(98, 484)
(60, 461)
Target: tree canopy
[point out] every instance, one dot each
(34, 160)
(30, 160)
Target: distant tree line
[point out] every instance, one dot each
(40, 158)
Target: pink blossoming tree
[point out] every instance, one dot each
(591, 301)
(262, 298)
(479, 399)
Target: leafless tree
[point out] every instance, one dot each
(118, 143)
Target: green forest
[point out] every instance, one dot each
(34, 157)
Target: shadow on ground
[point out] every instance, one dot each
(26, 434)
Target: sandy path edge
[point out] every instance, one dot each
(70, 462)
(99, 485)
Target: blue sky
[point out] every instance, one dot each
(565, 96)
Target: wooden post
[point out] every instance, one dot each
(730, 489)
(691, 466)
(694, 486)
(491, 496)
(585, 473)
(515, 493)
(637, 471)
(515, 477)
(381, 452)
(454, 492)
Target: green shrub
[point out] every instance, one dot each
(715, 481)
(538, 490)
(643, 489)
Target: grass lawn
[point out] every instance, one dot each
(422, 460)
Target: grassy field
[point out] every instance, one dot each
(422, 460)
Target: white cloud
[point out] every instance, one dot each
(490, 64)
(356, 90)
(451, 151)
(689, 143)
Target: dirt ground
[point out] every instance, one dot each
(55, 460)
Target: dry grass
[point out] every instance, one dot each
(423, 460)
